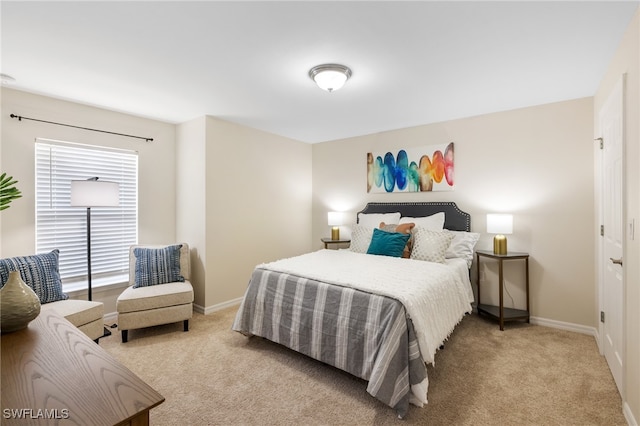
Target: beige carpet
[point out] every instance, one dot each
(526, 375)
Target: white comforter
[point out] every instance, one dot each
(436, 296)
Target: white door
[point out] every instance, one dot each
(612, 284)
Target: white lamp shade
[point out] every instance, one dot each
(94, 193)
(335, 218)
(499, 223)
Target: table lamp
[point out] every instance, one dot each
(335, 219)
(499, 224)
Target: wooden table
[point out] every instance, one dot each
(328, 241)
(52, 373)
(499, 312)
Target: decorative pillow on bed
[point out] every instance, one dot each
(157, 266)
(462, 245)
(40, 272)
(373, 219)
(404, 228)
(361, 238)
(435, 221)
(388, 243)
(430, 245)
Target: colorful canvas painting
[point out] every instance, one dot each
(420, 169)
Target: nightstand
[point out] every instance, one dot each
(499, 312)
(328, 241)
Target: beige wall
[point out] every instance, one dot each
(238, 196)
(627, 61)
(256, 205)
(191, 218)
(535, 163)
(156, 212)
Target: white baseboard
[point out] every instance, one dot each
(218, 307)
(598, 341)
(628, 415)
(577, 328)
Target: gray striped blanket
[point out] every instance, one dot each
(367, 335)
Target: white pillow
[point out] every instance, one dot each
(430, 245)
(373, 219)
(462, 246)
(361, 238)
(434, 222)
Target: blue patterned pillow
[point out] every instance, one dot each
(157, 266)
(40, 272)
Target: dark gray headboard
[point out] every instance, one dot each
(454, 218)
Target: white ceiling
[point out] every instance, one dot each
(413, 63)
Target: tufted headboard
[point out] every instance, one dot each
(454, 218)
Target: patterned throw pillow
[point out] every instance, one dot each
(157, 266)
(40, 272)
(430, 245)
(361, 238)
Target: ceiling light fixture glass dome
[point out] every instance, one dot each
(330, 77)
(7, 79)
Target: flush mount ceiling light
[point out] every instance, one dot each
(330, 77)
(7, 79)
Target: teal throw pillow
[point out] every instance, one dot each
(157, 266)
(388, 243)
(39, 271)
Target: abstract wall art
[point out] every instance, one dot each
(420, 169)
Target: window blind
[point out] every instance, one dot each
(60, 226)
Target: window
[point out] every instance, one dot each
(60, 226)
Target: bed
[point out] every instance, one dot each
(379, 317)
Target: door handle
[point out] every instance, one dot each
(616, 261)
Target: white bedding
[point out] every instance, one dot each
(436, 296)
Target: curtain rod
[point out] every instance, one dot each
(20, 118)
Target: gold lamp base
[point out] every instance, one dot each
(335, 233)
(499, 244)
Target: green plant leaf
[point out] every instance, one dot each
(8, 191)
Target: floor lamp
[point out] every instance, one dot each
(93, 193)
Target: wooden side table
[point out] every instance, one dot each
(328, 241)
(52, 373)
(499, 312)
